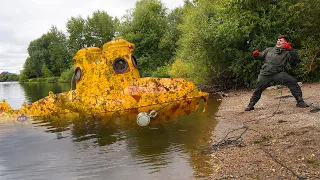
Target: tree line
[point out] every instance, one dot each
(206, 41)
(4, 77)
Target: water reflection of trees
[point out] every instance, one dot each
(36, 91)
(152, 147)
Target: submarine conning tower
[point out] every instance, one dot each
(105, 72)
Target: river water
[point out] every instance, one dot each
(88, 150)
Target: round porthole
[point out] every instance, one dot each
(134, 61)
(77, 74)
(120, 65)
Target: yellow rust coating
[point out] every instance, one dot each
(102, 92)
(4, 106)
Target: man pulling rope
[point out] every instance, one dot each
(276, 59)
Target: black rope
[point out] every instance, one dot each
(281, 164)
(315, 109)
(230, 141)
(277, 161)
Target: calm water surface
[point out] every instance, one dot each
(89, 150)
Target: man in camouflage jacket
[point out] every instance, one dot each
(276, 59)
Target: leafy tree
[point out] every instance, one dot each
(173, 33)
(145, 26)
(76, 32)
(59, 55)
(29, 68)
(99, 29)
(8, 77)
(168, 43)
(307, 39)
(50, 49)
(93, 31)
(3, 78)
(38, 54)
(22, 77)
(46, 72)
(13, 77)
(195, 47)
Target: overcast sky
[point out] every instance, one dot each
(22, 21)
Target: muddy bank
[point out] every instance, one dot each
(282, 141)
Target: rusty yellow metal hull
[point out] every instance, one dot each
(109, 87)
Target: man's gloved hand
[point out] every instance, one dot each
(287, 46)
(256, 53)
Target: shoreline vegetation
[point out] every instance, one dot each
(207, 42)
(43, 80)
(7, 77)
(65, 77)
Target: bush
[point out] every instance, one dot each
(41, 80)
(46, 72)
(162, 72)
(309, 67)
(8, 77)
(190, 71)
(23, 78)
(66, 76)
(3, 78)
(37, 80)
(52, 79)
(13, 77)
(33, 80)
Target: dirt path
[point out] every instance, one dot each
(279, 133)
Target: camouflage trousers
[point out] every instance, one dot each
(283, 78)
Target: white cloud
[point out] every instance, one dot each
(25, 20)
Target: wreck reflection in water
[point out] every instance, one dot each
(90, 149)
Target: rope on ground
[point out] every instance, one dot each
(315, 109)
(230, 141)
(281, 164)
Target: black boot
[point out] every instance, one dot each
(301, 103)
(250, 107)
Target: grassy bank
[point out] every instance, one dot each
(45, 80)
